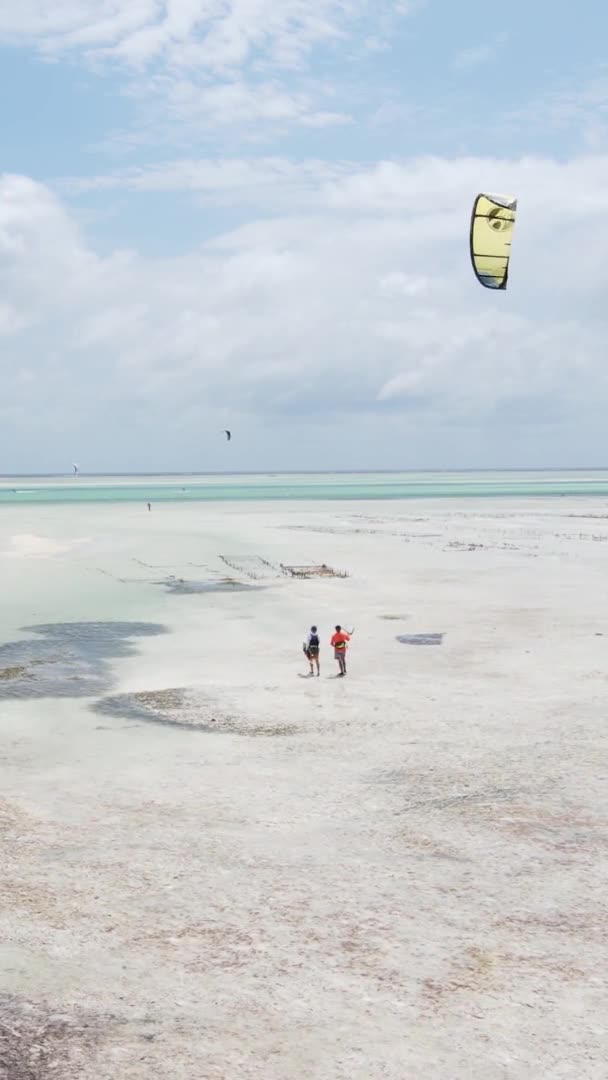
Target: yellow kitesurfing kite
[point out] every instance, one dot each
(492, 224)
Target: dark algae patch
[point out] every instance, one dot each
(37, 1043)
(18, 671)
(67, 660)
(181, 587)
(42, 1041)
(420, 639)
(164, 707)
(180, 708)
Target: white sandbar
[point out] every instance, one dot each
(399, 874)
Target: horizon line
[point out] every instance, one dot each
(307, 472)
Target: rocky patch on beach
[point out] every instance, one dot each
(186, 709)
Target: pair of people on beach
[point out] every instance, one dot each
(312, 647)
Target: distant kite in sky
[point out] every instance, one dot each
(75, 468)
(228, 435)
(492, 223)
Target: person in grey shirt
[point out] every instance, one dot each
(311, 649)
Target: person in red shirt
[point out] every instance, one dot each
(338, 642)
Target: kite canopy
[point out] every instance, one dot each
(492, 224)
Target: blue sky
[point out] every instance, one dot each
(254, 214)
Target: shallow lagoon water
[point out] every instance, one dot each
(16, 491)
(68, 660)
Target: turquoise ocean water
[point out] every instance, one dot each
(16, 491)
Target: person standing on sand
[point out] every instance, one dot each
(338, 643)
(311, 649)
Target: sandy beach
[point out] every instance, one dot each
(215, 868)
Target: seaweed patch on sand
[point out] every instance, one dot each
(181, 587)
(183, 708)
(17, 671)
(67, 660)
(37, 1042)
(420, 639)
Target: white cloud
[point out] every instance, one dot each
(440, 191)
(219, 34)
(580, 107)
(198, 107)
(261, 182)
(193, 66)
(478, 55)
(398, 284)
(364, 305)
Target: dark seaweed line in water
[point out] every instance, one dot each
(255, 567)
(180, 586)
(121, 580)
(153, 566)
(163, 566)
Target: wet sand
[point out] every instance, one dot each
(216, 868)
